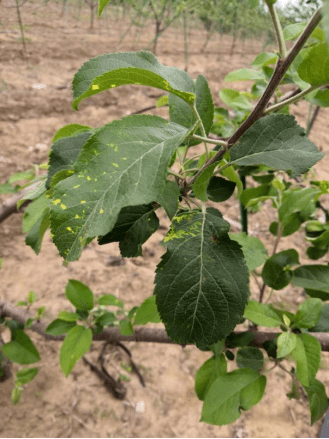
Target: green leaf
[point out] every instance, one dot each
(79, 295)
(220, 189)
(323, 323)
(276, 272)
(126, 327)
(292, 31)
(254, 251)
(106, 319)
(254, 195)
(235, 99)
(101, 6)
(169, 198)
(16, 394)
(65, 152)
(325, 19)
(58, 327)
(76, 343)
(286, 343)
(25, 376)
(134, 226)
(36, 222)
(318, 400)
(250, 357)
(208, 373)
(21, 349)
(261, 314)
(230, 393)
(162, 101)
(315, 67)
(31, 297)
(307, 355)
(33, 191)
(69, 130)
(308, 314)
(141, 68)
(180, 112)
(130, 170)
(321, 98)
(244, 75)
(147, 312)
(299, 201)
(239, 340)
(110, 300)
(201, 183)
(202, 281)
(278, 142)
(314, 278)
(264, 59)
(68, 316)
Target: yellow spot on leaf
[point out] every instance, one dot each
(88, 178)
(95, 179)
(63, 206)
(76, 186)
(123, 158)
(95, 87)
(69, 229)
(101, 211)
(55, 202)
(115, 164)
(77, 216)
(83, 201)
(113, 85)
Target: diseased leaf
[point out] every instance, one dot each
(79, 295)
(134, 226)
(21, 349)
(307, 354)
(254, 251)
(276, 272)
(141, 68)
(231, 393)
(207, 374)
(278, 142)
(123, 164)
(147, 312)
(261, 314)
(76, 343)
(202, 281)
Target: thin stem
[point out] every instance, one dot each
(278, 74)
(175, 174)
(278, 29)
(243, 210)
(315, 115)
(293, 99)
(204, 135)
(213, 141)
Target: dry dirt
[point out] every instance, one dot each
(80, 406)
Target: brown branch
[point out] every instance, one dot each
(280, 70)
(141, 334)
(10, 206)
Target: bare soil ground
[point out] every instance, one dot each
(80, 406)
